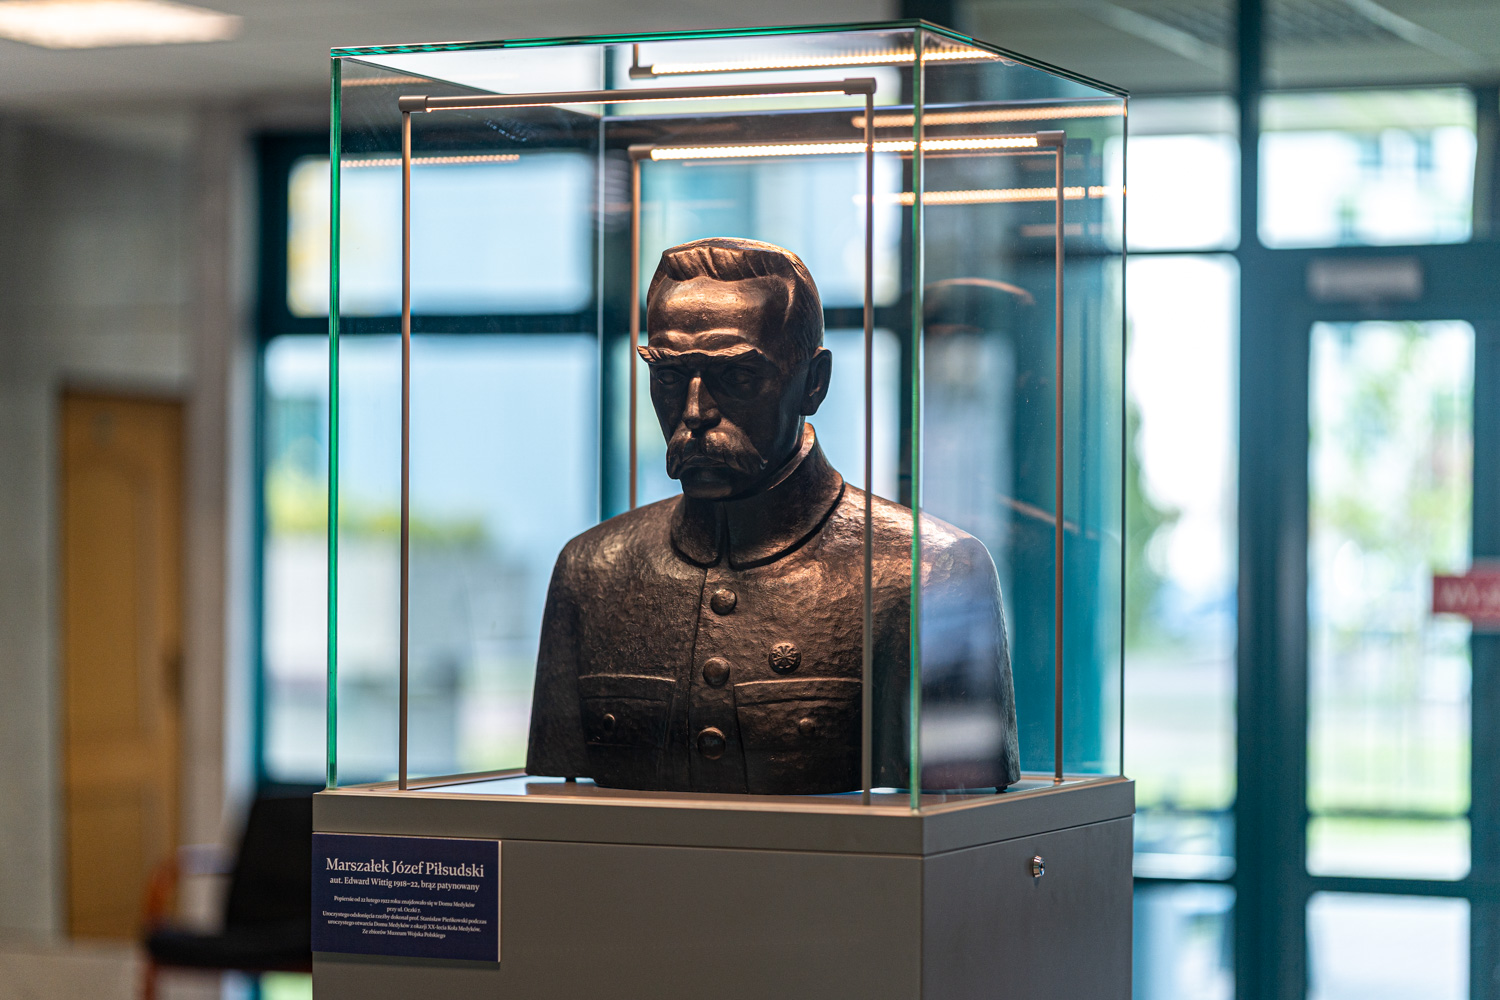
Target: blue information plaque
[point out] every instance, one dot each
(407, 897)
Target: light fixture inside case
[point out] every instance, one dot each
(1040, 112)
(873, 57)
(750, 150)
(991, 196)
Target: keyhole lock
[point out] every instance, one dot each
(1038, 866)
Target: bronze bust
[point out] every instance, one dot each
(712, 642)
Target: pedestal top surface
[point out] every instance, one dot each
(518, 806)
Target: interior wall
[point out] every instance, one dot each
(119, 271)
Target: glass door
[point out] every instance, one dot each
(1390, 504)
(1367, 818)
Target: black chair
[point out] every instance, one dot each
(267, 924)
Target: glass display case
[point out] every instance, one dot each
(499, 211)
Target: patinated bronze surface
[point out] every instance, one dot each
(712, 642)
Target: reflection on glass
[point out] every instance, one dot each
(466, 258)
(1390, 484)
(1367, 167)
(812, 205)
(1184, 173)
(985, 458)
(1369, 947)
(1184, 949)
(491, 507)
(1181, 562)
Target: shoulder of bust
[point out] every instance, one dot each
(607, 543)
(892, 521)
(951, 553)
(947, 550)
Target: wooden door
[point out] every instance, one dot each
(122, 642)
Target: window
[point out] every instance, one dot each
(1391, 486)
(1364, 946)
(1341, 168)
(1184, 174)
(1184, 947)
(1180, 578)
(1182, 373)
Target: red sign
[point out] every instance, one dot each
(1475, 595)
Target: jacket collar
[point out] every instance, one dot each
(765, 526)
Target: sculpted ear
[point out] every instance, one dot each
(815, 390)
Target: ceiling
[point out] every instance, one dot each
(1186, 45)
(1144, 45)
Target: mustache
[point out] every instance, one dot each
(720, 445)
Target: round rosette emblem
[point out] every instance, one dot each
(785, 657)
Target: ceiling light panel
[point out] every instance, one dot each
(93, 24)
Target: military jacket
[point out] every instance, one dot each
(706, 646)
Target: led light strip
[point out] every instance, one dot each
(986, 196)
(1031, 114)
(895, 57)
(384, 81)
(825, 148)
(424, 103)
(435, 161)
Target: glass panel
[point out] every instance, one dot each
(774, 59)
(1181, 562)
(466, 258)
(1390, 479)
(491, 508)
(1369, 947)
(1184, 942)
(986, 422)
(294, 575)
(812, 204)
(1345, 168)
(1184, 173)
(778, 170)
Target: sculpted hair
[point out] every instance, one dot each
(726, 258)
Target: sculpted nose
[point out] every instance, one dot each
(700, 410)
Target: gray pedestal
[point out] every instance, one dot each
(629, 896)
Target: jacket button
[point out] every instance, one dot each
(723, 601)
(716, 671)
(785, 657)
(711, 743)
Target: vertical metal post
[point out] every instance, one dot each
(405, 438)
(331, 705)
(635, 313)
(918, 352)
(1057, 515)
(867, 670)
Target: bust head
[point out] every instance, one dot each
(735, 348)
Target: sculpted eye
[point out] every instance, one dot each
(740, 377)
(667, 377)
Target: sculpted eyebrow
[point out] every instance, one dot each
(662, 355)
